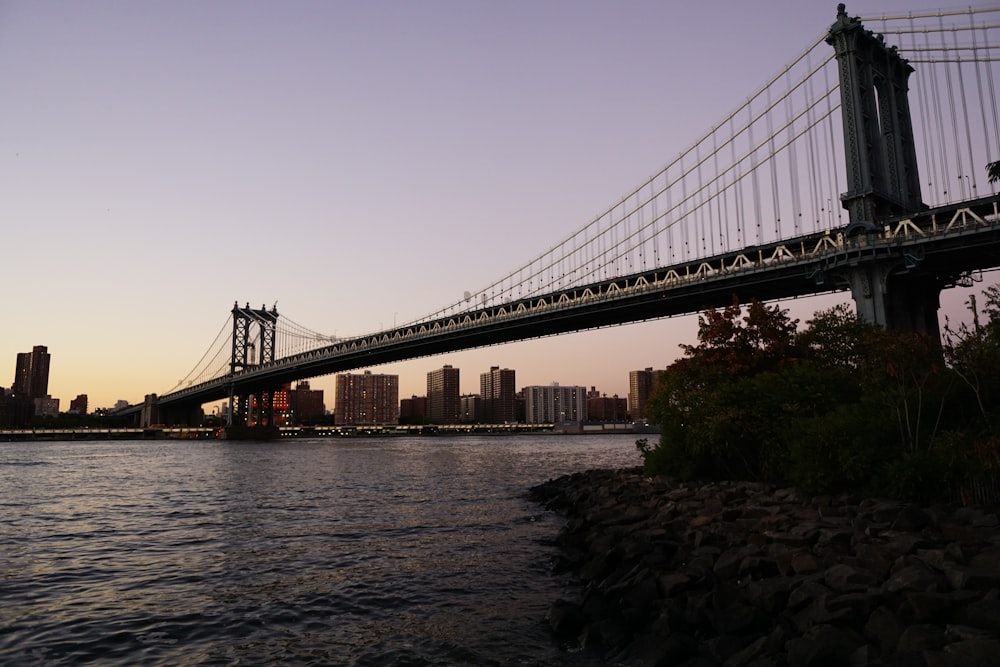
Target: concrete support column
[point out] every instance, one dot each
(150, 411)
(896, 301)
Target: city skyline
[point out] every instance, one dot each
(360, 164)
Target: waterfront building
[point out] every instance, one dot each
(366, 399)
(307, 403)
(604, 408)
(16, 410)
(498, 395)
(281, 403)
(641, 385)
(413, 410)
(31, 375)
(46, 406)
(470, 409)
(78, 406)
(554, 404)
(443, 405)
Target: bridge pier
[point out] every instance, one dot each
(882, 176)
(895, 301)
(150, 413)
(175, 415)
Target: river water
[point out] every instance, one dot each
(383, 551)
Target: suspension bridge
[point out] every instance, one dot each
(861, 165)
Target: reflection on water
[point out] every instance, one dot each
(368, 551)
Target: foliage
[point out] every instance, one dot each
(840, 406)
(993, 171)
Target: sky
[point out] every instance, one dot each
(358, 164)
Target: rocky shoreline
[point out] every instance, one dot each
(735, 573)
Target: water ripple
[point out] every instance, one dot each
(369, 552)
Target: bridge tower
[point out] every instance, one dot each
(252, 346)
(882, 176)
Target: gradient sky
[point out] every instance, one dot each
(359, 163)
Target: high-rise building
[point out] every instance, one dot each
(46, 406)
(443, 405)
(16, 410)
(78, 405)
(308, 403)
(499, 396)
(471, 410)
(413, 410)
(281, 403)
(366, 399)
(554, 404)
(641, 385)
(604, 408)
(31, 376)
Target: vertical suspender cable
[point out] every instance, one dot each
(965, 114)
(811, 152)
(737, 190)
(793, 165)
(754, 180)
(703, 202)
(833, 191)
(922, 104)
(990, 155)
(719, 192)
(954, 121)
(993, 97)
(773, 163)
(935, 107)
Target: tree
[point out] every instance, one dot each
(843, 405)
(719, 405)
(973, 354)
(993, 171)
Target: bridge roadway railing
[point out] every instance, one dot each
(784, 269)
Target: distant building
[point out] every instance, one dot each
(366, 399)
(470, 409)
(554, 403)
(281, 402)
(641, 385)
(46, 406)
(443, 405)
(31, 375)
(78, 406)
(498, 395)
(604, 408)
(16, 411)
(413, 410)
(308, 403)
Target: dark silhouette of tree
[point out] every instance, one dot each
(842, 405)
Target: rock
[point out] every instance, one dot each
(914, 578)
(845, 578)
(917, 638)
(883, 629)
(823, 644)
(984, 614)
(975, 652)
(566, 619)
(652, 651)
(747, 654)
(804, 563)
(911, 518)
(741, 574)
(969, 578)
(937, 607)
